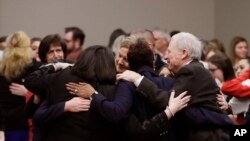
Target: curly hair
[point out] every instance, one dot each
(46, 42)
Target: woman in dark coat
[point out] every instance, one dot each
(16, 64)
(96, 66)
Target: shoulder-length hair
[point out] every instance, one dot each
(96, 65)
(44, 47)
(17, 56)
(224, 63)
(233, 44)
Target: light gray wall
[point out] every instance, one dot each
(232, 19)
(98, 18)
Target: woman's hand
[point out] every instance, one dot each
(175, 104)
(37, 99)
(222, 102)
(83, 90)
(128, 75)
(18, 89)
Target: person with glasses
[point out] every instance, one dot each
(221, 68)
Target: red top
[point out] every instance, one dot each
(235, 87)
(72, 56)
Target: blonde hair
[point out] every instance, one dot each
(128, 41)
(117, 43)
(17, 56)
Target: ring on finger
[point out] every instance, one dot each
(76, 90)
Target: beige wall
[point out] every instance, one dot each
(98, 18)
(232, 19)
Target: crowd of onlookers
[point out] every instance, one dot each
(144, 85)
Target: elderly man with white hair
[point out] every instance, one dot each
(202, 119)
(162, 39)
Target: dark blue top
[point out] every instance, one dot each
(119, 108)
(142, 108)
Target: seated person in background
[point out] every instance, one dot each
(236, 87)
(239, 49)
(221, 68)
(239, 88)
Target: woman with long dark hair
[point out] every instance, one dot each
(95, 66)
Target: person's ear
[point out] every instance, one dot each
(184, 53)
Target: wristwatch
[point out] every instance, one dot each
(95, 93)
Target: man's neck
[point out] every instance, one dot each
(184, 63)
(76, 49)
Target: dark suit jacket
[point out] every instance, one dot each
(119, 109)
(142, 123)
(71, 126)
(195, 79)
(142, 107)
(147, 122)
(248, 116)
(158, 63)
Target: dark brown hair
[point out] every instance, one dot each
(233, 44)
(140, 55)
(46, 43)
(77, 34)
(224, 63)
(96, 64)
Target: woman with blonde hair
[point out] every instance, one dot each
(17, 62)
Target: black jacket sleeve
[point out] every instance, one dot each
(46, 113)
(37, 81)
(147, 130)
(158, 97)
(31, 107)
